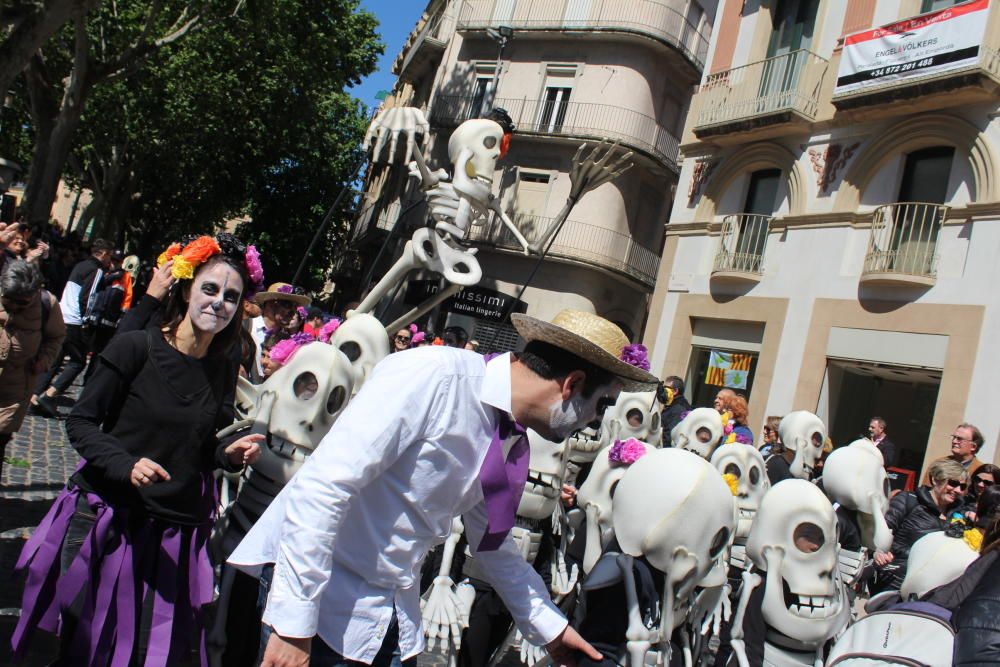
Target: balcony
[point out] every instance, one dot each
(961, 65)
(422, 52)
(902, 247)
(576, 120)
(783, 90)
(577, 241)
(655, 20)
(741, 248)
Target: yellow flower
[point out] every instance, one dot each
(168, 254)
(182, 269)
(733, 482)
(974, 539)
(726, 416)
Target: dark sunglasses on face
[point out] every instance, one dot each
(984, 482)
(955, 484)
(402, 339)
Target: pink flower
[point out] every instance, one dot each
(414, 329)
(418, 338)
(326, 332)
(636, 355)
(282, 352)
(303, 313)
(255, 271)
(626, 452)
(728, 428)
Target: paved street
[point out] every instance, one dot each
(42, 460)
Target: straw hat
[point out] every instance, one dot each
(589, 337)
(275, 293)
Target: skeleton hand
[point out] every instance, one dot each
(530, 654)
(393, 122)
(563, 579)
(595, 169)
(442, 614)
(711, 608)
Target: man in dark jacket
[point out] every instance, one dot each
(674, 409)
(77, 302)
(876, 431)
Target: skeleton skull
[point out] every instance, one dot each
(853, 476)
(132, 264)
(635, 407)
(674, 508)
(594, 498)
(363, 340)
(935, 560)
(699, 432)
(297, 405)
(794, 540)
(474, 148)
(803, 433)
(747, 465)
(546, 471)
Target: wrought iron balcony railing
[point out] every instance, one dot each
(785, 84)
(664, 22)
(741, 246)
(577, 241)
(582, 120)
(902, 246)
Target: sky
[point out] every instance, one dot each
(396, 20)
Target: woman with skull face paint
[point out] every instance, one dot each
(119, 567)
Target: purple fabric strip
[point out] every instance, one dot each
(503, 481)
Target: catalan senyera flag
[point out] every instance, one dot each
(728, 369)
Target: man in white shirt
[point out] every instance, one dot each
(418, 446)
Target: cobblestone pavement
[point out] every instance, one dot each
(41, 462)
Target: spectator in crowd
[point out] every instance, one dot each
(455, 337)
(977, 618)
(112, 299)
(675, 406)
(143, 502)
(769, 436)
(314, 321)
(721, 402)
(297, 321)
(77, 303)
(403, 338)
(268, 365)
(277, 306)
(31, 334)
(472, 345)
(986, 509)
(984, 478)
(877, 434)
(740, 411)
(913, 514)
(966, 441)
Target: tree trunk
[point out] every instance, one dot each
(28, 34)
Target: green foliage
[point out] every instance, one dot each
(244, 118)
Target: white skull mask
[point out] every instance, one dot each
(362, 338)
(794, 540)
(297, 405)
(674, 508)
(546, 471)
(935, 559)
(853, 476)
(481, 138)
(132, 264)
(585, 444)
(640, 408)
(803, 433)
(699, 432)
(747, 465)
(595, 498)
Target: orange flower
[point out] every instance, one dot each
(168, 254)
(198, 251)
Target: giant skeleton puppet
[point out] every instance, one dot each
(792, 602)
(803, 433)
(457, 203)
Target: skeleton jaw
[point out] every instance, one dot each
(543, 484)
(810, 606)
(286, 450)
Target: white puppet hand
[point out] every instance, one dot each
(563, 579)
(530, 654)
(442, 614)
(390, 123)
(711, 609)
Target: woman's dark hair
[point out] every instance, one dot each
(550, 362)
(985, 469)
(234, 254)
(988, 506)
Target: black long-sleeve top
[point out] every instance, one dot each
(147, 399)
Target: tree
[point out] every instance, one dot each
(246, 118)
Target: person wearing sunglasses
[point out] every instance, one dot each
(31, 335)
(402, 340)
(913, 514)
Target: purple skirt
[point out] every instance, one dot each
(121, 561)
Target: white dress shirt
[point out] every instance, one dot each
(348, 533)
(258, 331)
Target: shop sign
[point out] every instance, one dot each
(483, 304)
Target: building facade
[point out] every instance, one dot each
(837, 219)
(567, 72)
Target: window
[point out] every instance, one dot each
(792, 26)
(555, 98)
(934, 5)
(762, 194)
(925, 175)
(485, 73)
(915, 220)
(704, 379)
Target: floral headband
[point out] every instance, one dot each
(283, 351)
(327, 330)
(636, 355)
(187, 258)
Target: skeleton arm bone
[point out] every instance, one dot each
(494, 206)
(750, 582)
(442, 609)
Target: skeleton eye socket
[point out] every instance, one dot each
(305, 386)
(336, 400)
(754, 475)
(703, 434)
(817, 439)
(351, 350)
(886, 489)
(614, 487)
(634, 417)
(808, 537)
(719, 541)
(734, 470)
(489, 142)
(656, 421)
